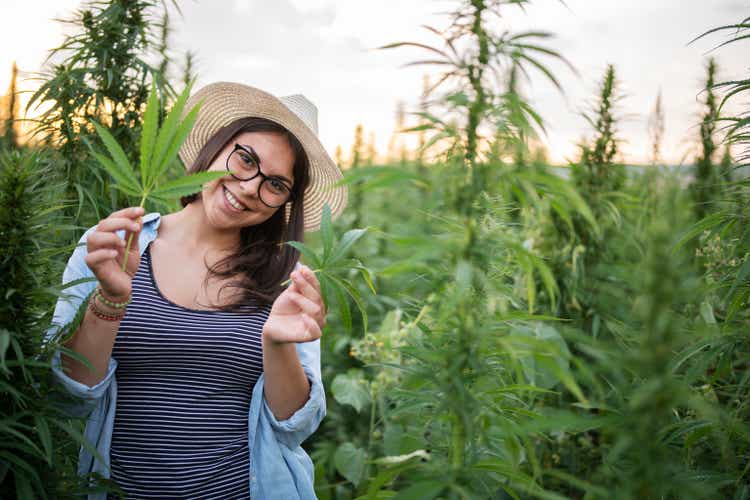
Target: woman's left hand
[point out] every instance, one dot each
(298, 314)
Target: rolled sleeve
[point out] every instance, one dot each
(303, 422)
(85, 397)
(66, 310)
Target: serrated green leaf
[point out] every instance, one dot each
(79, 438)
(31, 448)
(347, 240)
(307, 252)
(186, 185)
(122, 183)
(4, 343)
(740, 278)
(354, 294)
(119, 158)
(423, 490)
(148, 133)
(179, 138)
(326, 233)
(167, 132)
(24, 489)
(346, 313)
(367, 276)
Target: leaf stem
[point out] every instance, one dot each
(290, 280)
(130, 238)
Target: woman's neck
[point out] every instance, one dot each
(191, 230)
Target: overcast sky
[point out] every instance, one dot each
(325, 50)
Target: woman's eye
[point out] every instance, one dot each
(277, 185)
(247, 159)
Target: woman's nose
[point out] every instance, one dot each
(250, 187)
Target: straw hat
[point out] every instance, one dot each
(224, 102)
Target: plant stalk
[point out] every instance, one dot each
(130, 238)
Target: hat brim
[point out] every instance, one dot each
(225, 102)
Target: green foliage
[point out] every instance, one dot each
(707, 176)
(333, 260)
(596, 171)
(39, 443)
(100, 73)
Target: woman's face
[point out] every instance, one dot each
(222, 196)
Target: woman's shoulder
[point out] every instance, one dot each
(151, 223)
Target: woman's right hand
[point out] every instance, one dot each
(106, 251)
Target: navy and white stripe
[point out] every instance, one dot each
(184, 380)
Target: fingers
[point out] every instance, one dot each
(93, 259)
(99, 240)
(307, 284)
(308, 306)
(106, 256)
(313, 330)
(112, 224)
(130, 212)
(307, 273)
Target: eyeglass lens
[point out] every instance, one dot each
(273, 192)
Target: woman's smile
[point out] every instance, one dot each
(233, 202)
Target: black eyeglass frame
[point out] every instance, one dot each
(254, 155)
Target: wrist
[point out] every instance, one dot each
(103, 311)
(269, 341)
(117, 301)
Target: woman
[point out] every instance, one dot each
(204, 373)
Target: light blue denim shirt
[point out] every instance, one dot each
(279, 467)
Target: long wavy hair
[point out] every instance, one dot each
(262, 262)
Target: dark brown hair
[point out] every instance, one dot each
(262, 262)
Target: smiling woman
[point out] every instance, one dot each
(206, 371)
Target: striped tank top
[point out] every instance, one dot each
(184, 383)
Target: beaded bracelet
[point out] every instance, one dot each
(103, 315)
(110, 303)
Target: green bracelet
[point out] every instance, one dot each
(107, 302)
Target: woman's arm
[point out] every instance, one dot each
(93, 340)
(95, 337)
(298, 315)
(286, 386)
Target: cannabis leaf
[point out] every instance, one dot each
(332, 262)
(159, 148)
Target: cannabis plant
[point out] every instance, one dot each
(331, 261)
(39, 442)
(707, 177)
(100, 72)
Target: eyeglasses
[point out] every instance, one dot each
(244, 165)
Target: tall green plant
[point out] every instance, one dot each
(707, 178)
(463, 357)
(656, 130)
(596, 172)
(38, 440)
(9, 115)
(472, 73)
(732, 216)
(100, 72)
